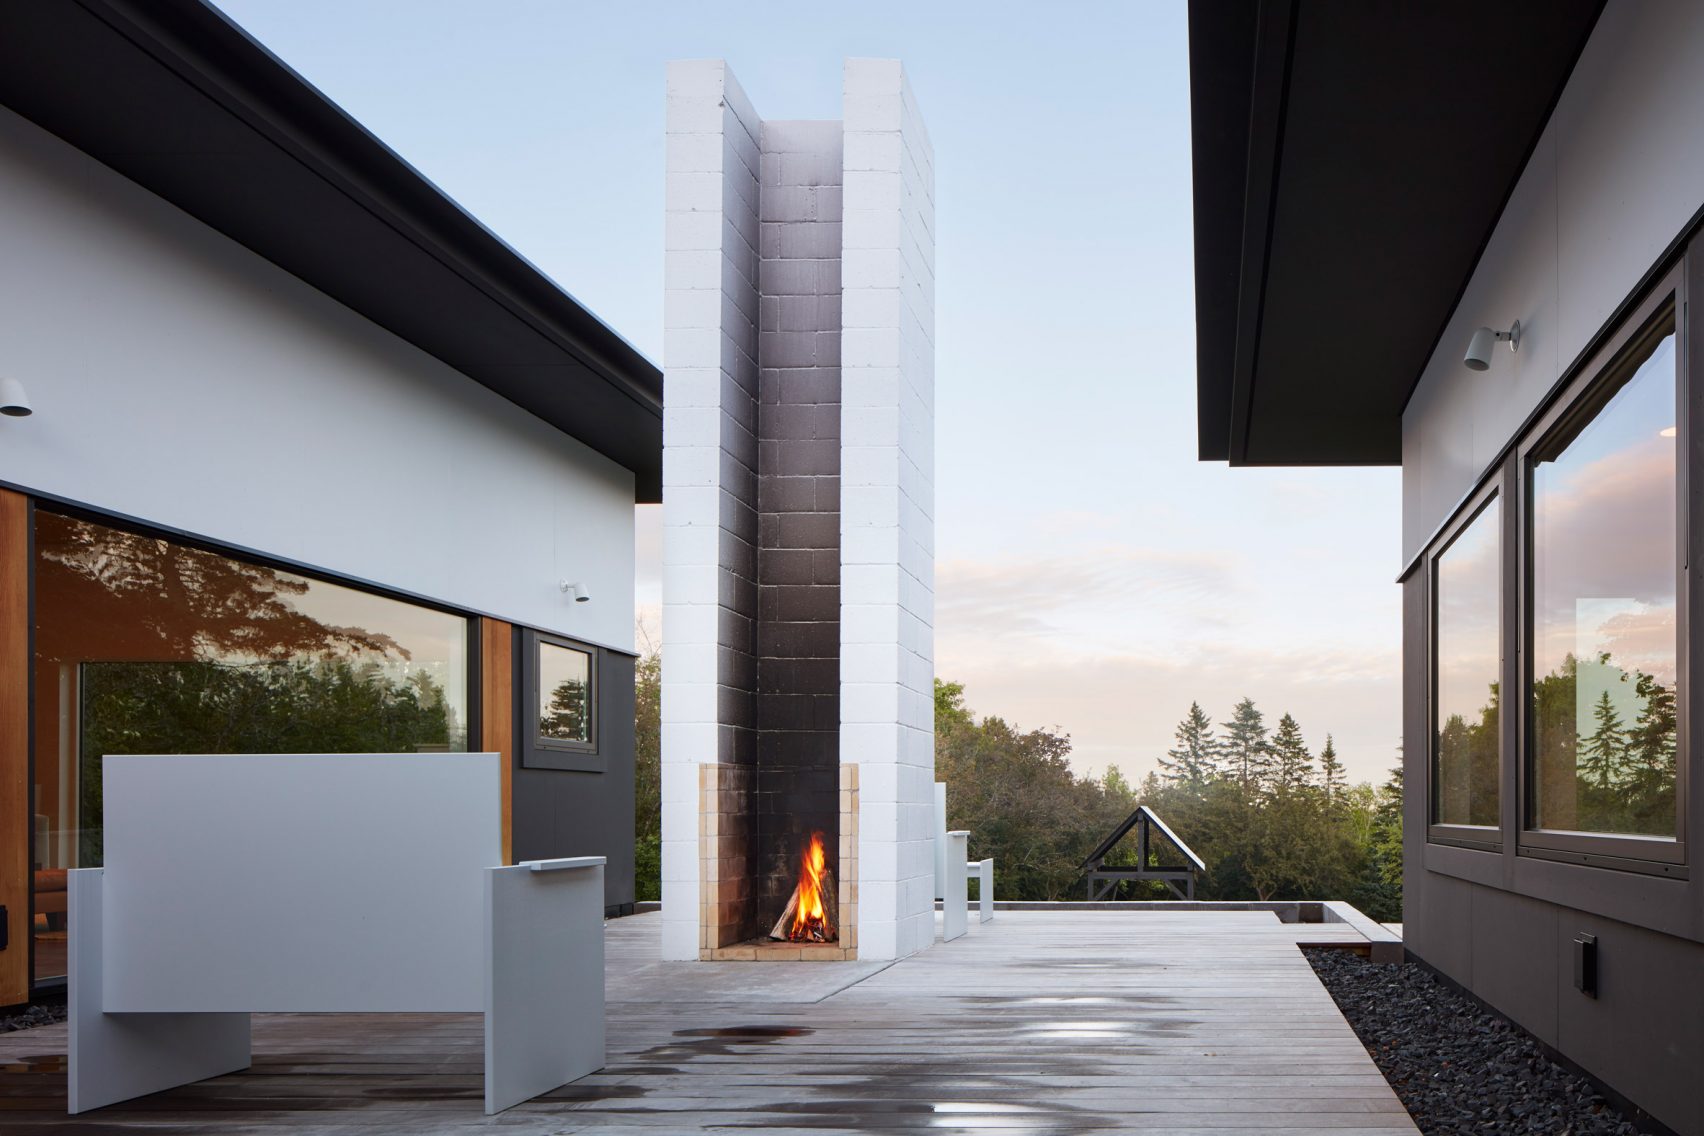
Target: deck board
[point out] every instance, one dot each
(1182, 1023)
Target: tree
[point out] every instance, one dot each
(1602, 753)
(1291, 764)
(1331, 770)
(1195, 759)
(648, 777)
(1245, 750)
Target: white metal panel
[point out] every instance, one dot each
(181, 379)
(298, 882)
(955, 904)
(544, 977)
(115, 1057)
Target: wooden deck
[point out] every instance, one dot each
(1208, 1023)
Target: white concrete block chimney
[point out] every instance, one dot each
(798, 504)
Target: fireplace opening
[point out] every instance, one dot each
(811, 914)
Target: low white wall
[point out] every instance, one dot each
(183, 380)
(1616, 176)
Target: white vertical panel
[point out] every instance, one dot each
(115, 1057)
(298, 882)
(544, 977)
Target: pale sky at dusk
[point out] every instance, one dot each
(1091, 574)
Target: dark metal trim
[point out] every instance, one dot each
(1437, 832)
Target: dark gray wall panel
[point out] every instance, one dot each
(564, 813)
(1514, 963)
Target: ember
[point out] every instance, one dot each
(809, 916)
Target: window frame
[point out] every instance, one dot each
(537, 751)
(1580, 401)
(1482, 837)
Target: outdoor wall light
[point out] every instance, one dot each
(1479, 347)
(14, 400)
(576, 589)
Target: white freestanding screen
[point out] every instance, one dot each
(298, 882)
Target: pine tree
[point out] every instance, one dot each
(1246, 752)
(1331, 770)
(1194, 761)
(1601, 754)
(1292, 764)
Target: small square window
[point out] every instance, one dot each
(560, 708)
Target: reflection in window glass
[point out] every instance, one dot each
(144, 645)
(1465, 776)
(564, 686)
(1603, 610)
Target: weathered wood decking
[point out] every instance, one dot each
(1206, 1023)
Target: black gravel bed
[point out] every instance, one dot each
(40, 1014)
(1458, 1066)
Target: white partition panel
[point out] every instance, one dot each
(544, 977)
(955, 902)
(293, 882)
(114, 1057)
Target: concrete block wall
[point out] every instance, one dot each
(710, 461)
(798, 701)
(888, 502)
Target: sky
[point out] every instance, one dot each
(1092, 576)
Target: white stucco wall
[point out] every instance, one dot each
(180, 379)
(1614, 180)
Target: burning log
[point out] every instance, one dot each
(810, 915)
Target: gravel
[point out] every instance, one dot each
(40, 1014)
(1458, 1066)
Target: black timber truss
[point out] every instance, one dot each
(1103, 882)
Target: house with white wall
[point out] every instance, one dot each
(313, 462)
(1465, 239)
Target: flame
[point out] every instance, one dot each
(810, 920)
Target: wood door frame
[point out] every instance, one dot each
(15, 758)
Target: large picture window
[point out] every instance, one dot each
(149, 645)
(1467, 582)
(1603, 579)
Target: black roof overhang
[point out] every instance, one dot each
(1350, 163)
(175, 97)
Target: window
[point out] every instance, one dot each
(1467, 655)
(149, 645)
(1604, 573)
(561, 685)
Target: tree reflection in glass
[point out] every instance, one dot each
(1466, 770)
(1603, 608)
(564, 678)
(146, 645)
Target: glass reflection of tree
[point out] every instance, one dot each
(564, 717)
(209, 655)
(1623, 775)
(1468, 766)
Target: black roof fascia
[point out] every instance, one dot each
(1335, 235)
(174, 96)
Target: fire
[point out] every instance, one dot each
(810, 915)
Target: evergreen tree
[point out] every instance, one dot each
(1194, 760)
(1601, 754)
(1291, 765)
(1331, 770)
(1246, 752)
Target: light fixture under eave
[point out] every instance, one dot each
(577, 590)
(14, 400)
(1479, 347)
